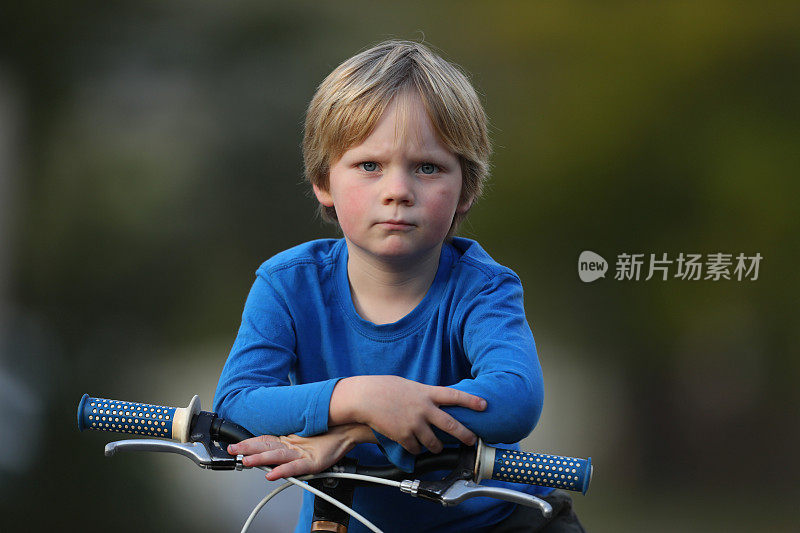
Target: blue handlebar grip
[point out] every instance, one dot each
(125, 417)
(568, 473)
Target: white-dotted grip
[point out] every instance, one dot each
(568, 473)
(101, 414)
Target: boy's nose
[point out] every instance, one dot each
(398, 188)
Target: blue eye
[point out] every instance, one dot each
(369, 166)
(428, 168)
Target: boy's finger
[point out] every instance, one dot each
(427, 438)
(411, 445)
(450, 396)
(255, 445)
(271, 457)
(450, 425)
(292, 469)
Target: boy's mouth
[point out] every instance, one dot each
(396, 224)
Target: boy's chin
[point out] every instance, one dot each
(403, 252)
(398, 250)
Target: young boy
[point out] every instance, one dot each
(398, 336)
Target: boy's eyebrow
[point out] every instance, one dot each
(439, 158)
(362, 152)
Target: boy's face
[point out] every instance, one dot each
(396, 193)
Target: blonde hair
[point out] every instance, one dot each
(351, 99)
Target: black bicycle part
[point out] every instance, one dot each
(215, 434)
(463, 469)
(426, 462)
(328, 517)
(228, 432)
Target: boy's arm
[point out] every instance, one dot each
(403, 410)
(297, 456)
(498, 342)
(254, 389)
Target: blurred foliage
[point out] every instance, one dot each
(161, 165)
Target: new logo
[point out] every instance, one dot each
(591, 266)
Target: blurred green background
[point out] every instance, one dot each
(150, 161)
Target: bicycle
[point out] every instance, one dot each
(203, 437)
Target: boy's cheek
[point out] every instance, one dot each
(352, 211)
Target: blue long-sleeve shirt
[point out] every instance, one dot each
(300, 334)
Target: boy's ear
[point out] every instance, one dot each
(464, 205)
(323, 196)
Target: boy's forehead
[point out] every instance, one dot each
(404, 124)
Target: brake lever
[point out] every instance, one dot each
(196, 451)
(463, 490)
(459, 485)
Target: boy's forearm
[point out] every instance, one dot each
(303, 408)
(514, 404)
(360, 433)
(343, 408)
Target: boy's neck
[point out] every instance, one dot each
(384, 292)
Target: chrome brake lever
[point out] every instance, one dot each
(462, 490)
(195, 451)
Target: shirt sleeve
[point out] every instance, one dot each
(254, 389)
(505, 370)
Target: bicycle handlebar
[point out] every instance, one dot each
(558, 471)
(203, 437)
(118, 416)
(567, 473)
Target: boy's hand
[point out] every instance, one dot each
(402, 409)
(297, 456)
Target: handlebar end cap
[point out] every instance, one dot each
(81, 426)
(588, 478)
